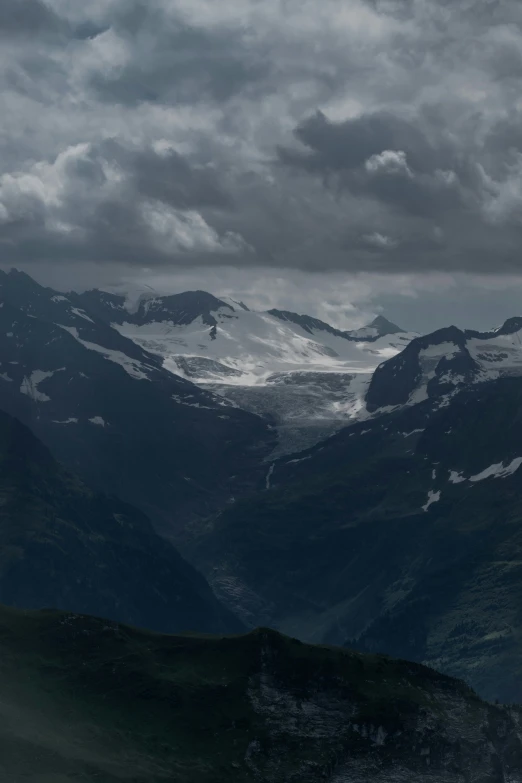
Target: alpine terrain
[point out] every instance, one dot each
(304, 374)
(110, 411)
(401, 533)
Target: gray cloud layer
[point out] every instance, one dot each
(375, 135)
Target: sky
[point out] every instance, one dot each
(338, 157)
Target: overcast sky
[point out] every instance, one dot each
(337, 156)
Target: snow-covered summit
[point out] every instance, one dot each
(206, 338)
(379, 327)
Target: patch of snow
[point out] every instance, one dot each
(301, 459)
(433, 474)
(450, 377)
(98, 420)
(433, 497)
(132, 367)
(81, 314)
(498, 470)
(408, 434)
(30, 385)
(5, 376)
(59, 298)
(66, 421)
(447, 350)
(420, 394)
(455, 477)
(184, 401)
(269, 475)
(445, 400)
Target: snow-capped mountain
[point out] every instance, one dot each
(439, 364)
(112, 413)
(308, 376)
(379, 327)
(209, 339)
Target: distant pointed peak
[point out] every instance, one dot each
(384, 326)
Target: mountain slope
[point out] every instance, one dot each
(402, 534)
(65, 546)
(440, 363)
(113, 414)
(86, 699)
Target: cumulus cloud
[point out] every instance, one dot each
(374, 136)
(379, 240)
(388, 162)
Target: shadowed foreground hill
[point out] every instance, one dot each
(84, 699)
(64, 546)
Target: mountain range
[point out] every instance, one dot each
(112, 413)
(306, 376)
(398, 533)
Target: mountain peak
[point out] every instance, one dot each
(384, 326)
(182, 308)
(16, 276)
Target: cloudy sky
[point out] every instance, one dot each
(343, 157)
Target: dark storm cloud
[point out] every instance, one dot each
(29, 17)
(380, 156)
(170, 178)
(334, 146)
(375, 135)
(118, 202)
(177, 62)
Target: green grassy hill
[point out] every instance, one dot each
(87, 700)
